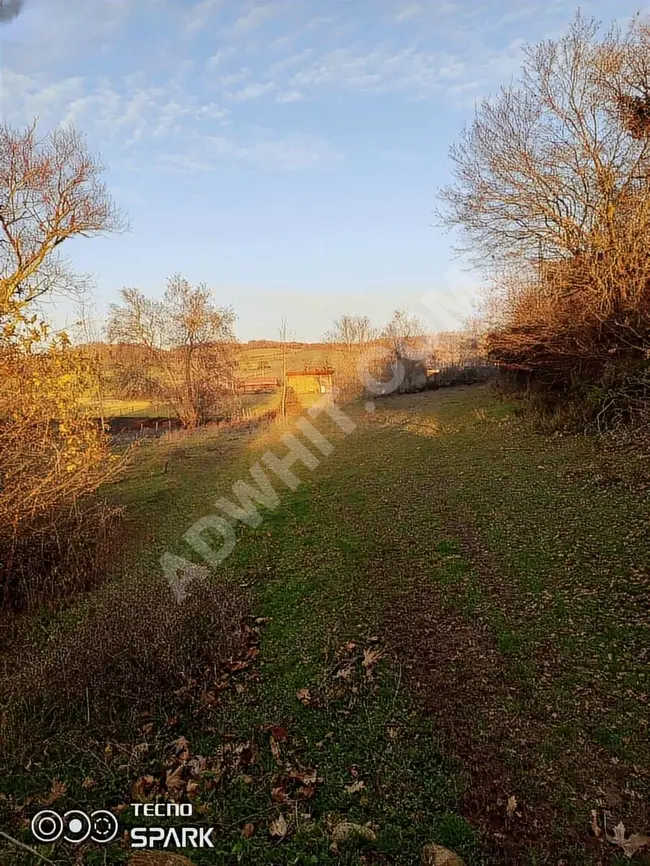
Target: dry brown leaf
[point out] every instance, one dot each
(248, 830)
(57, 790)
(275, 750)
(594, 824)
(345, 673)
(371, 655)
(305, 777)
(281, 734)
(88, 784)
(192, 789)
(512, 806)
(174, 780)
(278, 795)
(181, 749)
(244, 755)
(355, 787)
(278, 827)
(630, 845)
(304, 696)
(141, 787)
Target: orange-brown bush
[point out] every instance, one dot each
(52, 460)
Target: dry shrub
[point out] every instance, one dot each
(552, 181)
(574, 352)
(52, 460)
(127, 649)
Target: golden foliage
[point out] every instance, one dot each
(52, 455)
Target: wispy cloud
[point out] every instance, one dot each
(290, 96)
(255, 17)
(264, 152)
(252, 91)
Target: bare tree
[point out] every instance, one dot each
(10, 9)
(552, 192)
(285, 335)
(551, 168)
(189, 338)
(352, 331)
(50, 191)
(402, 331)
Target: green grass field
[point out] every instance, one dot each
(449, 645)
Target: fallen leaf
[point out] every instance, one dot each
(174, 780)
(141, 787)
(594, 824)
(278, 827)
(278, 795)
(275, 750)
(630, 845)
(355, 787)
(57, 790)
(88, 784)
(304, 696)
(248, 830)
(280, 734)
(371, 656)
(305, 777)
(181, 749)
(192, 789)
(244, 754)
(347, 832)
(512, 805)
(436, 855)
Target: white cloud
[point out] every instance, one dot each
(262, 151)
(199, 15)
(254, 17)
(406, 13)
(290, 96)
(251, 91)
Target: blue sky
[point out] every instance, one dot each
(286, 152)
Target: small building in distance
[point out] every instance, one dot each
(259, 385)
(311, 381)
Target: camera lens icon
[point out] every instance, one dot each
(47, 826)
(75, 826)
(104, 825)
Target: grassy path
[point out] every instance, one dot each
(449, 615)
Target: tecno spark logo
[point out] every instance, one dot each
(102, 826)
(75, 826)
